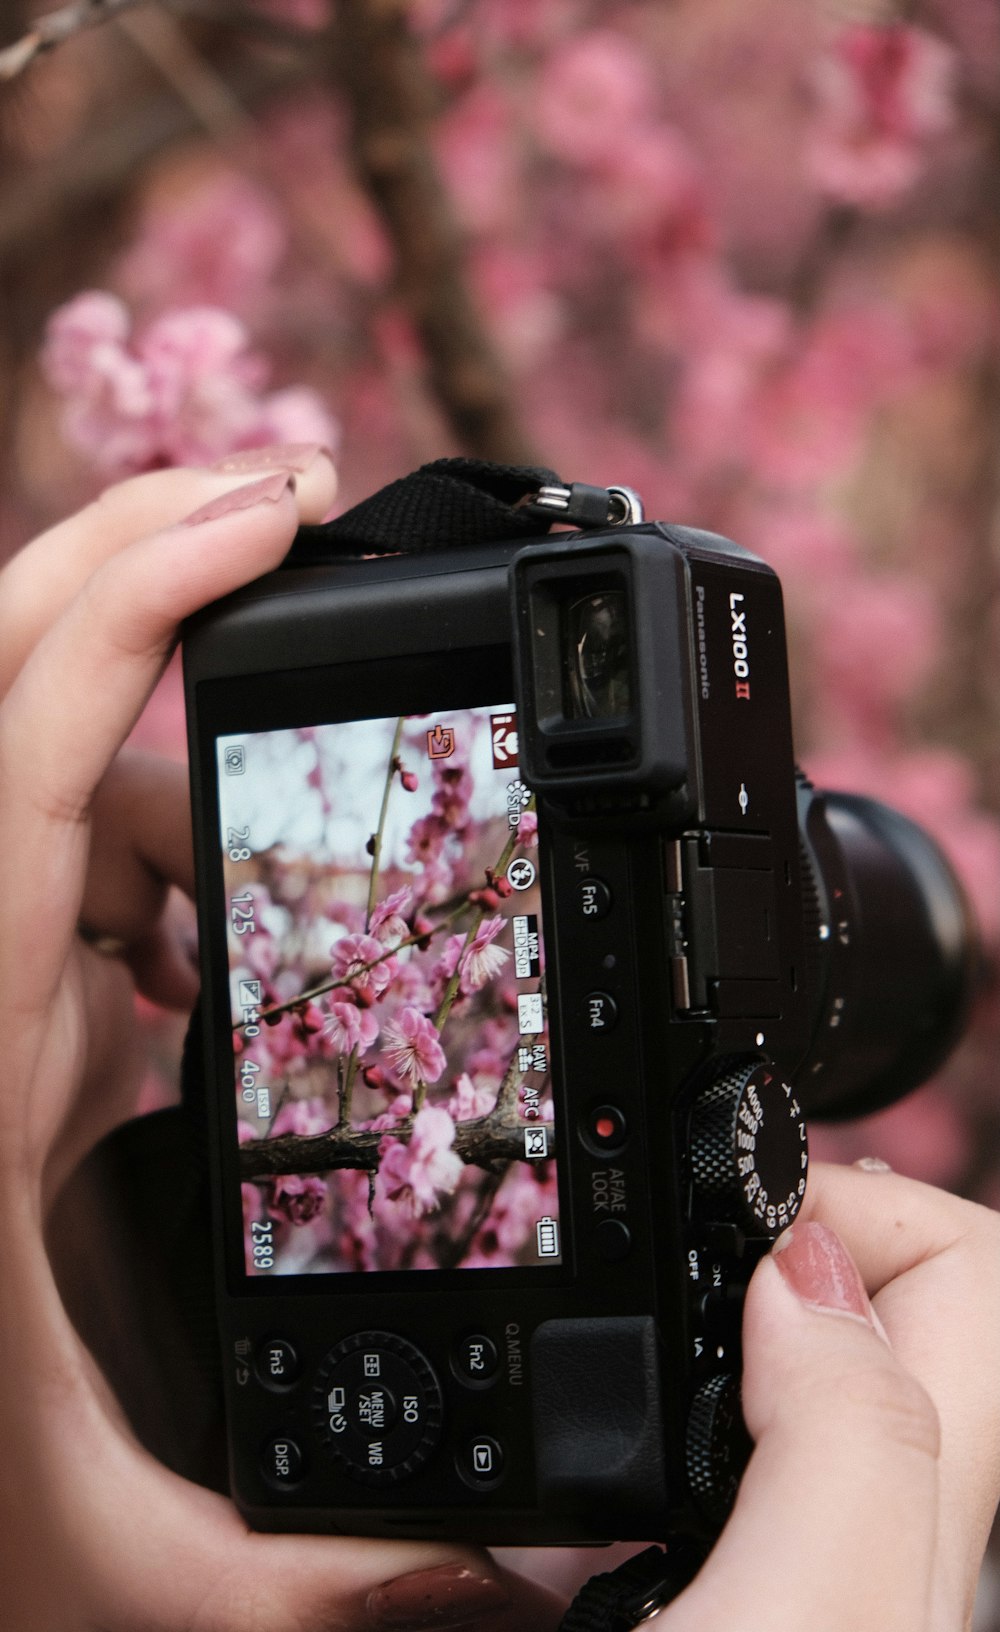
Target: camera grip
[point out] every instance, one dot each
(598, 1417)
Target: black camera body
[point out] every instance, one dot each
(509, 1023)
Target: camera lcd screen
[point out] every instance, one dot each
(386, 967)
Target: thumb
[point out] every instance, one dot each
(835, 1520)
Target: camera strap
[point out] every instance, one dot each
(453, 502)
(461, 502)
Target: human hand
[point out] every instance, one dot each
(876, 1472)
(93, 1531)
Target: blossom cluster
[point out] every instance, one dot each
(186, 389)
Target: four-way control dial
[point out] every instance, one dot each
(377, 1407)
(748, 1150)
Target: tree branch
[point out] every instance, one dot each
(56, 27)
(490, 1142)
(379, 66)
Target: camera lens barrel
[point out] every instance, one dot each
(896, 954)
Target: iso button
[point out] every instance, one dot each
(594, 899)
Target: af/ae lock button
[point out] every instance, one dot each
(594, 898)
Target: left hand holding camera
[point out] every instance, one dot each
(95, 1532)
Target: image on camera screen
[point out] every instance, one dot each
(387, 981)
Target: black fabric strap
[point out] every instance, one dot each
(625, 1597)
(450, 502)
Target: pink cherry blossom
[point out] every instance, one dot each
(448, 959)
(219, 244)
(469, 1101)
(478, 155)
(419, 1174)
(413, 1045)
(883, 90)
(360, 961)
(425, 840)
(593, 91)
(481, 960)
(296, 1199)
(348, 1026)
(452, 793)
(397, 1112)
(388, 923)
(301, 1116)
(527, 828)
(185, 389)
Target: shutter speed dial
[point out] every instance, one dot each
(748, 1150)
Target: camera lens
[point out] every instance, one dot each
(895, 954)
(596, 650)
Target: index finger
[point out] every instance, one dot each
(39, 583)
(77, 697)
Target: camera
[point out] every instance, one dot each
(526, 953)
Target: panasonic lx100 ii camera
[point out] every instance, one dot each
(526, 954)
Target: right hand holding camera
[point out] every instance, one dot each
(868, 1500)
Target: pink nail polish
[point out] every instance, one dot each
(297, 456)
(817, 1266)
(872, 1164)
(449, 1597)
(267, 491)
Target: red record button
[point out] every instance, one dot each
(606, 1128)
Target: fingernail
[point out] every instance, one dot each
(297, 456)
(268, 490)
(450, 1596)
(872, 1164)
(817, 1266)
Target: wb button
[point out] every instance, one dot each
(480, 1462)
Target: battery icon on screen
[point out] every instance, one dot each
(547, 1234)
